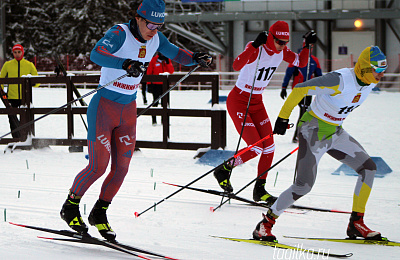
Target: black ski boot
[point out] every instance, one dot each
(222, 174)
(260, 194)
(98, 218)
(70, 214)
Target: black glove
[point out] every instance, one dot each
(133, 67)
(283, 93)
(260, 40)
(57, 70)
(163, 58)
(202, 58)
(310, 37)
(281, 125)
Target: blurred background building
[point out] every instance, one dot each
(71, 28)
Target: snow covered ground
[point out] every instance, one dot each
(34, 184)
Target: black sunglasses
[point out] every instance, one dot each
(280, 42)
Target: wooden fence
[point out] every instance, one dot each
(27, 112)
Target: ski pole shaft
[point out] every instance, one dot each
(202, 176)
(304, 99)
(249, 101)
(258, 177)
(63, 106)
(251, 146)
(182, 188)
(166, 92)
(245, 115)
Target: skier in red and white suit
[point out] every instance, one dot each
(258, 70)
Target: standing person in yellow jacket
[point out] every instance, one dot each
(16, 68)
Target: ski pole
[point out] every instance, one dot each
(63, 106)
(94, 91)
(74, 89)
(245, 115)
(249, 101)
(202, 176)
(304, 100)
(251, 146)
(258, 177)
(166, 92)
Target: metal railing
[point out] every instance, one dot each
(175, 7)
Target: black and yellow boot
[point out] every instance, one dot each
(70, 214)
(260, 194)
(98, 218)
(222, 174)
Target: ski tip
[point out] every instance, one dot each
(170, 184)
(340, 211)
(15, 224)
(49, 238)
(212, 209)
(136, 214)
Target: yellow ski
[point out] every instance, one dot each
(284, 246)
(383, 242)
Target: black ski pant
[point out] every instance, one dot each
(13, 119)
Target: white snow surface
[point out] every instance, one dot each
(34, 184)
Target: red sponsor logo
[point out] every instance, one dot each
(255, 88)
(356, 98)
(332, 117)
(119, 29)
(126, 86)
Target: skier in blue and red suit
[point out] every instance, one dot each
(299, 74)
(125, 48)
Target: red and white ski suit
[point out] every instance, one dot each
(258, 124)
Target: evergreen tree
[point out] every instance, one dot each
(45, 27)
(48, 27)
(29, 23)
(83, 22)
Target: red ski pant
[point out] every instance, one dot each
(111, 133)
(257, 127)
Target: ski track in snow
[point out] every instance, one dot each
(182, 226)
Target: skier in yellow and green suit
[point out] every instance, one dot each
(320, 131)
